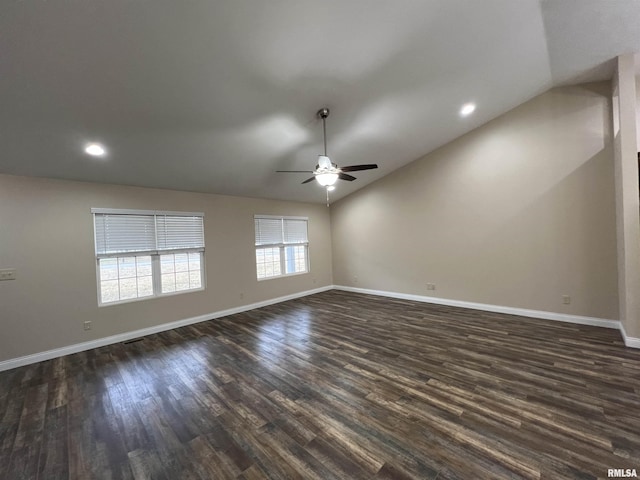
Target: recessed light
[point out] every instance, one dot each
(331, 188)
(467, 109)
(95, 150)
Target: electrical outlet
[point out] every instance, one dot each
(241, 296)
(355, 279)
(431, 286)
(87, 325)
(566, 299)
(8, 274)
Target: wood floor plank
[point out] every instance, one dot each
(24, 458)
(334, 385)
(53, 463)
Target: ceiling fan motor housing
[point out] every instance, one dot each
(324, 163)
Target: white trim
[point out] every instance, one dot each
(126, 211)
(122, 337)
(632, 342)
(284, 275)
(562, 317)
(282, 245)
(281, 217)
(143, 253)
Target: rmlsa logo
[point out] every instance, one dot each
(622, 473)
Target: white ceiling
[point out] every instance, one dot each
(214, 96)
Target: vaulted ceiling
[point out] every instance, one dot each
(215, 96)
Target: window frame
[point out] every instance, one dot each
(282, 246)
(156, 271)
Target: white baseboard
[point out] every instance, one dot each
(122, 337)
(632, 342)
(562, 317)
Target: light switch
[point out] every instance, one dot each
(7, 274)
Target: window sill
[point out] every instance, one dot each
(150, 297)
(283, 276)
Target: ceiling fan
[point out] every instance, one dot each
(326, 172)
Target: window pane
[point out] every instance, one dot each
(109, 291)
(194, 261)
(166, 264)
(125, 278)
(168, 282)
(145, 286)
(144, 265)
(268, 262)
(195, 279)
(290, 259)
(108, 269)
(128, 288)
(301, 259)
(182, 281)
(181, 271)
(182, 262)
(296, 259)
(126, 267)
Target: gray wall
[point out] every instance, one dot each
(516, 213)
(46, 233)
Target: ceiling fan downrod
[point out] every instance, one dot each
(323, 113)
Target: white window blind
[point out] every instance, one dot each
(268, 231)
(179, 232)
(120, 232)
(280, 231)
(295, 231)
(124, 233)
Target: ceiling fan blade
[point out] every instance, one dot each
(309, 180)
(344, 176)
(355, 168)
(294, 171)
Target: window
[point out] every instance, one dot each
(282, 247)
(143, 254)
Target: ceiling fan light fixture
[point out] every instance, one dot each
(326, 172)
(327, 179)
(324, 162)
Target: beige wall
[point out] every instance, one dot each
(516, 213)
(46, 233)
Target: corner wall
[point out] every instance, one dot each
(46, 233)
(517, 213)
(627, 194)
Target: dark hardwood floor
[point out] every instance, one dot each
(334, 385)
